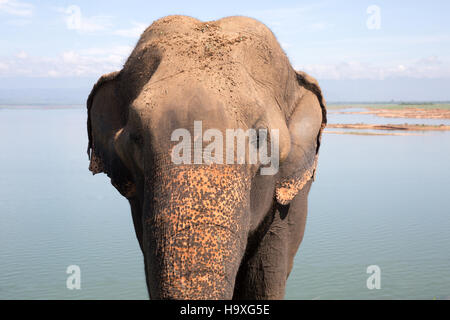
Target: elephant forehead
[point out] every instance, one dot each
(234, 62)
(187, 45)
(173, 25)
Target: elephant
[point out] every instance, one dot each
(209, 230)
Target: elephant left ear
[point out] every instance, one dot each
(305, 125)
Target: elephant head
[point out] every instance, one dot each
(193, 219)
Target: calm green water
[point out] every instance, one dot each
(378, 200)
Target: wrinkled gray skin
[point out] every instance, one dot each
(209, 231)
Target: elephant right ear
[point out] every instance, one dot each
(105, 118)
(107, 115)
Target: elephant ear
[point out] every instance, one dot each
(107, 115)
(305, 124)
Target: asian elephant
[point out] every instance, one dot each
(209, 229)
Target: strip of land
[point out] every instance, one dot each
(413, 113)
(403, 127)
(365, 133)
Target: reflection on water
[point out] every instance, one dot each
(379, 200)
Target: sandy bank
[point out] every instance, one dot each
(415, 113)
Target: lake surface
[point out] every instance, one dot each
(377, 200)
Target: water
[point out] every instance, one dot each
(377, 200)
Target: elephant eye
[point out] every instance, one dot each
(136, 139)
(261, 136)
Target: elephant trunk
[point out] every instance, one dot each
(197, 231)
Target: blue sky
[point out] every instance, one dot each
(381, 43)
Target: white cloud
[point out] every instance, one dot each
(431, 61)
(428, 67)
(393, 41)
(53, 74)
(70, 57)
(16, 8)
(22, 55)
(401, 68)
(133, 32)
(75, 20)
(3, 66)
(88, 62)
(97, 61)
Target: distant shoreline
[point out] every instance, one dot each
(363, 133)
(390, 106)
(41, 107)
(411, 113)
(399, 127)
(330, 106)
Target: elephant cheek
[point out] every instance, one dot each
(197, 231)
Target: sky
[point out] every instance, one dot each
(358, 50)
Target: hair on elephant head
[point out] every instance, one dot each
(213, 225)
